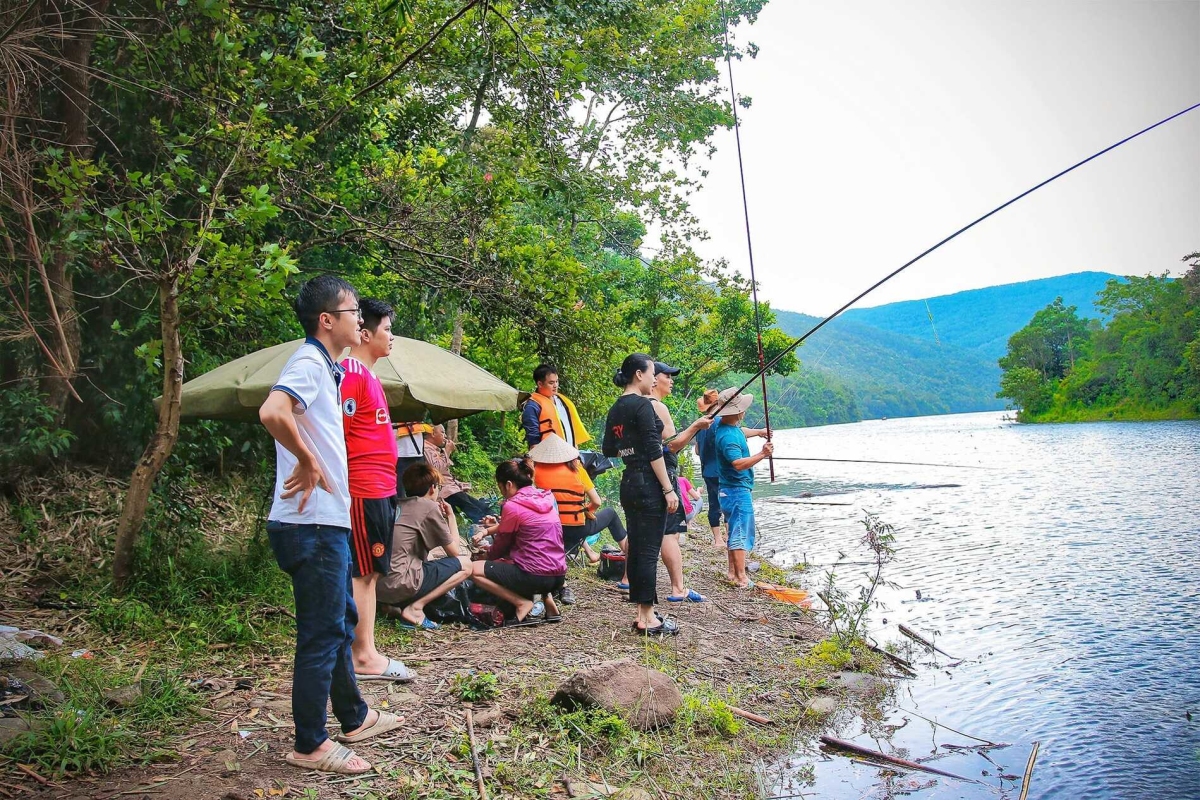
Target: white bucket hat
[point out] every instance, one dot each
(737, 405)
(553, 449)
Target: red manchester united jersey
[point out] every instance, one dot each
(370, 444)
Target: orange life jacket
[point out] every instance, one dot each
(569, 490)
(549, 422)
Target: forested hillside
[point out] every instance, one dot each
(892, 374)
(983, 319)
(1143, 363)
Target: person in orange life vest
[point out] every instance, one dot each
(547, 411)
(672, 556)
(371, 455)
(556, 467)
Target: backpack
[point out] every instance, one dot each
(612, 564)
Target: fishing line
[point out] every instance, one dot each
(865, 461)
(949, 238)
(737, 134)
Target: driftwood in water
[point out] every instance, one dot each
(895, 659)
(842, 744)
(1028, 771)
(916, 637)
(990, 745)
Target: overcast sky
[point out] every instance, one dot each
(878, 128)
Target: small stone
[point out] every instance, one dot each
(229, 760)
(487, 717)
(12, 650)
(822, 706)
(632, 793)
(12, 727)
(41, 689)
(860, 682)
(124, 696)
(645, 697)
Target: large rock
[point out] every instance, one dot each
(41, 690)
(645, 697)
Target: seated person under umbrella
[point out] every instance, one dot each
(526, 556)
(423, 523)
(556, 467)
(438, 450)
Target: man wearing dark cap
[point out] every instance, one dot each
(664, 377)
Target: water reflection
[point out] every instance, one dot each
(1065, 574)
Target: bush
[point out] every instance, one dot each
(472, 687)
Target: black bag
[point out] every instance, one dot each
(612, 564)
(595, 463)
(469, 605)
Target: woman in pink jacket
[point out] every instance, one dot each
(526, 557)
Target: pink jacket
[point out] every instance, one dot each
(530, 533)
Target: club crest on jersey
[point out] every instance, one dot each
(381, 417)
(349, 407)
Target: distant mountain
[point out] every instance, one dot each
(889, 359)
(983, 319)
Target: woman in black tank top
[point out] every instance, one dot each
(634, 433)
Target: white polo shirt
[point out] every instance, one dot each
(312, 379)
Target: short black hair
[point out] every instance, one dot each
(544, 371)
(373, 313)
(319, 295)
(419, 478)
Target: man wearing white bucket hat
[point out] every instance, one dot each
(736, 467)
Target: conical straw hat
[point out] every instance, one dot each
(553, 449)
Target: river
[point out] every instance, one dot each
(1063, 569)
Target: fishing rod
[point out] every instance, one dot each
(737, 135)
(949, 238)
(866, 461)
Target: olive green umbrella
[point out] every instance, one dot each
(419, 379)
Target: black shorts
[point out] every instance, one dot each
(371, 523)
(434, 574)
(520, 582)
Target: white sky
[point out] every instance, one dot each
(879, 128)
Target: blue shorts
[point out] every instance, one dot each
(738, 508)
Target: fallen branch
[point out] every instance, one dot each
(750, 715)
(474, 756)
(952, 730)
(916, 637)
(29, 771)
(1029, 771)
(895, 659)
(842, 744)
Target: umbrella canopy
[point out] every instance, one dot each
(418, 378)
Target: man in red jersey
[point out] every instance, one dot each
(371, 455)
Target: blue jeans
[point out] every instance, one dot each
(318, 559)
(739, 512)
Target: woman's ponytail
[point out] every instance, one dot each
(631, 366)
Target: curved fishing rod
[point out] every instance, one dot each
(737, 134)
(949, 238)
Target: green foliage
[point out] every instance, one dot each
(474, 687)
(1144, 363)
(73, 743)
(846, 613)
(828, 655)
(34, 431)
(708, 713)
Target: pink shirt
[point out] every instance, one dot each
(530, 533)
(685, 489)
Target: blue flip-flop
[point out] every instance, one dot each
(691, 597)
(426, 625)
(624, 587)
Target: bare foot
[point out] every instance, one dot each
(523, 609)
(370, 719)
(412, 617)
(551, 606)
(373, 664)
(354, 762)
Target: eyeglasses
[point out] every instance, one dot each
(355, 310)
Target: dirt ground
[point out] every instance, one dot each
(740, 641)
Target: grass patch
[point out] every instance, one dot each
(475, 687)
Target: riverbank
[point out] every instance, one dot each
(210, 714)
(1121, 412)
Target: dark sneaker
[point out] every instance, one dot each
(566, 596)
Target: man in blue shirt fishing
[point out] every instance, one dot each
(735, 466)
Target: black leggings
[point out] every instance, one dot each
(714, 501)
(646, 517)
(606, 519)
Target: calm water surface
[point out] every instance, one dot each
(1066, 575)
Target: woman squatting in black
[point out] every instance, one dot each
(633, 432)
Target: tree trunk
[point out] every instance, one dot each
(456, 348)
(74, 108)
(133, 512)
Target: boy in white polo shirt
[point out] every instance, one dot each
(309, 528)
